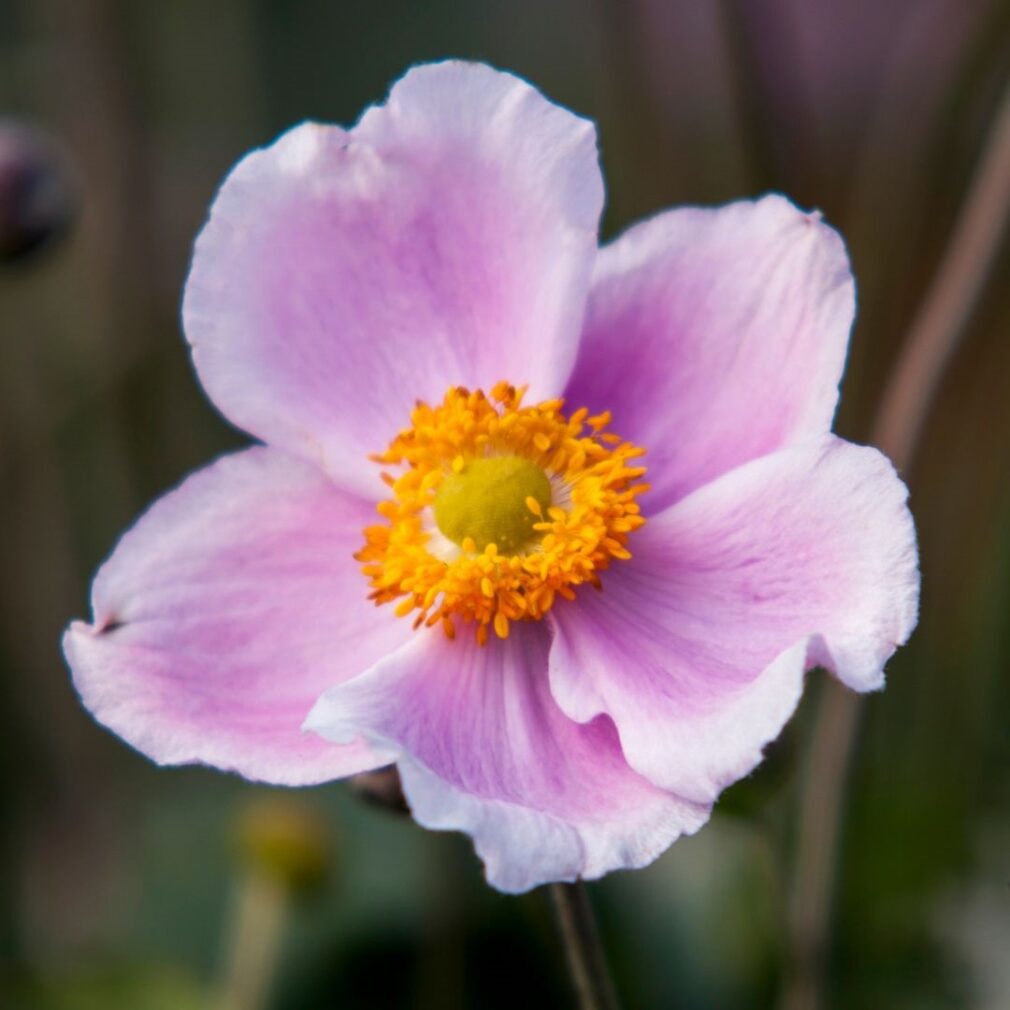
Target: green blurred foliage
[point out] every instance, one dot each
(111, 869)
(137, 986)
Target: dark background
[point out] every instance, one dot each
(119, 879)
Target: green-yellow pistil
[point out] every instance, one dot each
(487, 501)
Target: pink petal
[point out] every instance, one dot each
(483, 748)
(447, 239)
(697, 646)
(716, 336)
(224, 612)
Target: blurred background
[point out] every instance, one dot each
(122, 885)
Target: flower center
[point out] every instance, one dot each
(499, 509)
(487, 502)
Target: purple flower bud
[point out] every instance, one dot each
(37, 198)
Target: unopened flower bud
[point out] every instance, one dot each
(381, 788)
(285, 839)
(37, 200)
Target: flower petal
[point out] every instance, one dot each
(715, 336)
(224, 612)
(482, 748)
(697, 646)
(447, 239)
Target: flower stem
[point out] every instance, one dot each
(950, 301)
(254, 943)
(932, 339)
(587, 964)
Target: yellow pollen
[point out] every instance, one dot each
(499, 510)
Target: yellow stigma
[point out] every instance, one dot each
(499, 510)
(486, 501)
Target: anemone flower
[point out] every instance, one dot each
(446, 554)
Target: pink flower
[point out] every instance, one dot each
(345, 288)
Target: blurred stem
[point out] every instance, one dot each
(254, 944)
(927, 350)
(948, 304)
(771, 100)
(587, 963)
